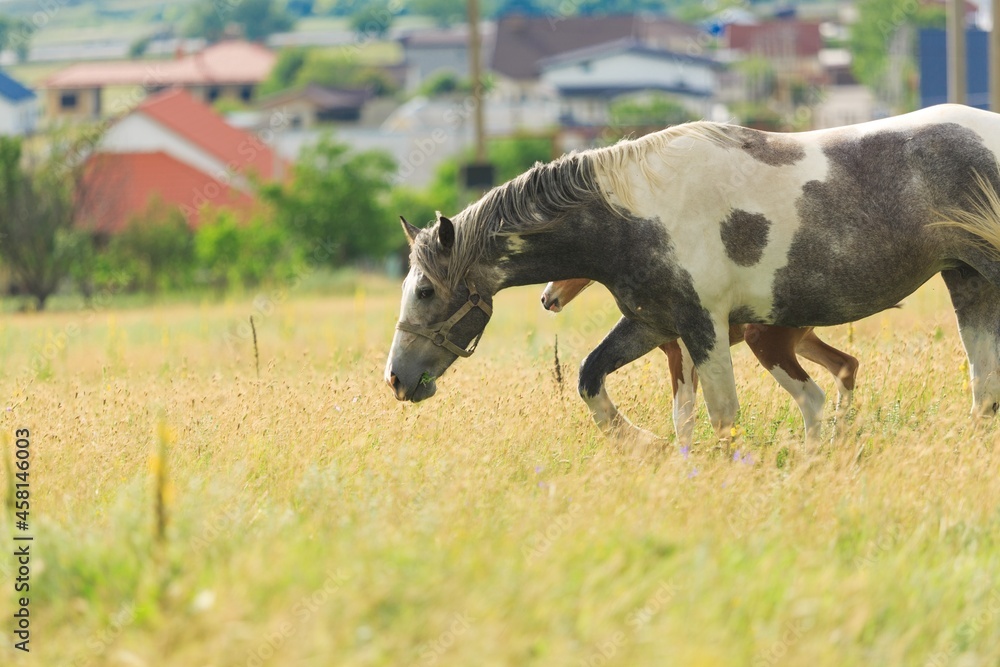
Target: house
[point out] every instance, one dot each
(230, 69)
(173, 149)
(587, 80)
(789, 44)
(522, 42)
(311, 105)
(431, 51)
(18, 107)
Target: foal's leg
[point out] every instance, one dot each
(684, 382)
(626, 342)
(977, 305)
(841, 365)
(775, 348)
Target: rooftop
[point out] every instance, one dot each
(229, 62)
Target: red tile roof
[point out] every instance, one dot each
(230, 62)
(121, 186)
(180, 112)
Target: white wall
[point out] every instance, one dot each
(18, 119)
(138, 133)
(631, 70)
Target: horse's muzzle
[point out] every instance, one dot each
(422, 391)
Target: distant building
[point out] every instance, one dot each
(18, 107)
(784, 42)
(174, 149)
(587, 80)
(230, 69)
(312, 105)
(432, 51)
(932, 58)
(524, 42)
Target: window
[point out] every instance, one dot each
(212, 94)
(68, 101)
(246, 93)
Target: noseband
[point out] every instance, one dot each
(438, 333)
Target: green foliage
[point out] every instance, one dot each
(444, 83)
(372, 19)
(336, 198)
(16, 34)
(513, 156)
(154, 252)
(342, 69)
(37, 206)
(655, 110)
(286, 70)
(229, 252)
(443, 12)
(137, 49)
(878, 23)
(256, 19)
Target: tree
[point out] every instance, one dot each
(444, 12)
(255, 19)
(879, 23)
(37, 207)
(16, 34)
(336, 197)
(372, 20)
(653, 111)
(285, 71)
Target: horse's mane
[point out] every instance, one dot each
(543, 196)
(612, 162)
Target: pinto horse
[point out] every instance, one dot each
(704, 225)
(775, 348)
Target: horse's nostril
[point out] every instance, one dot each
(393, 381)
(996, 406)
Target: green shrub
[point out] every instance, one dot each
(155, 251)
(229, 252)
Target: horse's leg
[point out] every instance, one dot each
(626, 342)
(977, 306)
(841, 365)
(718, 383)
(775, 347)
(684, 382)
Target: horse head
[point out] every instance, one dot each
(442, 315)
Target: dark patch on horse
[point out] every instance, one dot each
(745, 236)
(863, 243)
(744, 315)
(772, 149)
(653, 288)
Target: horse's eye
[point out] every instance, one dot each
(425, 292)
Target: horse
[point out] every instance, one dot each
(704, 225)
(776, 349)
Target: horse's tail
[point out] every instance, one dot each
(981, 218)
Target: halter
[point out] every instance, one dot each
(438, 333)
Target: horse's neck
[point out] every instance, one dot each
(561, 253)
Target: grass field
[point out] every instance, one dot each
(186, 512)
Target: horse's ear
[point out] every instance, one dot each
(446, 232)
(408, 229)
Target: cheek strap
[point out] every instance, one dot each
(438, 333)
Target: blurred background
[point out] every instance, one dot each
(154, 147)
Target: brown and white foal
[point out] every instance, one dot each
(776, 349)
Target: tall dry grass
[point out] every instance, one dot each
(309, 519)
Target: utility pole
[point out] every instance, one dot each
(478, 175)
(957, 77)
(476, 75)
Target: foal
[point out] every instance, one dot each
(775, 347)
